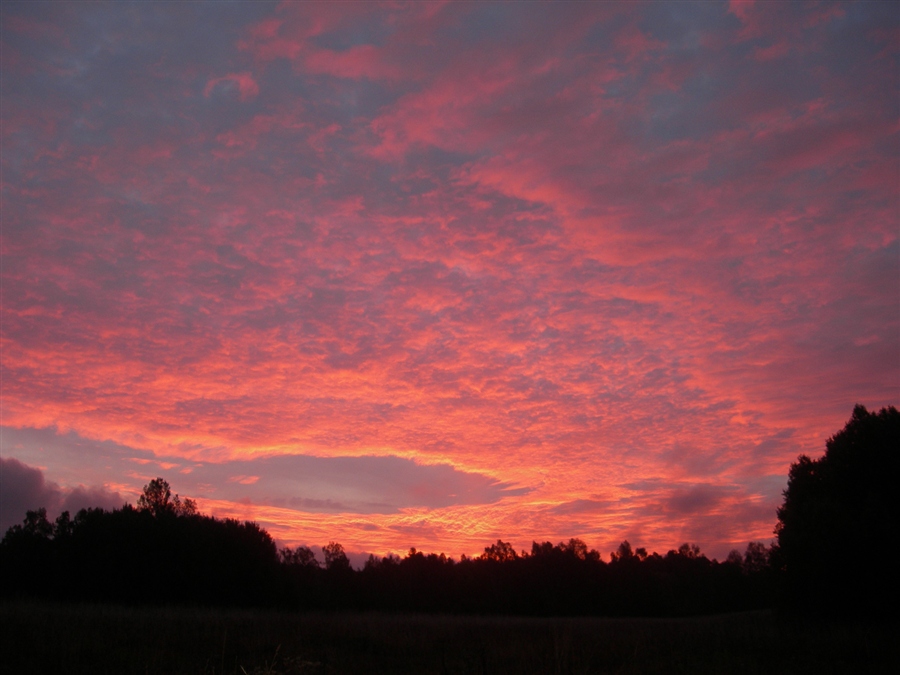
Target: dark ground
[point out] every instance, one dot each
(47, 638)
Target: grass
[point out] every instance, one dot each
(47, 638)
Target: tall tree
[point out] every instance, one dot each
(839, 516)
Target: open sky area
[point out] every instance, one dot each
(432, 274)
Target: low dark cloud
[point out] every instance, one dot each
(678, 498)
(702, 497)
(24, 488)
(367, 484)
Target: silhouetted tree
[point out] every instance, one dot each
(63, 527)
(302, 556)
(164, 552)
(848, 496)
(502, 551)
(623, 554)
(544, 549)
(689, 550)
(335, 558)
(756, 558)
(35, 528)
(157, 499)
(577, 548)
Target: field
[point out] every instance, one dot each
(42, 638)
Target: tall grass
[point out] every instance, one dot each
(97, 639)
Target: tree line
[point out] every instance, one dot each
(154, 555)
(164, 552)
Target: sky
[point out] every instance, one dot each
(433, 274)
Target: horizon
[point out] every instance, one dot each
(432, 275)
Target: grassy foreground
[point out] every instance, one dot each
(43, 638)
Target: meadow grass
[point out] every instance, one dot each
(98, 639)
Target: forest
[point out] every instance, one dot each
(162, 552)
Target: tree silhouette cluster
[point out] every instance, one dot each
(562, 579)
(162, 552)
(165, 552)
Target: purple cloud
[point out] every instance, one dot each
(25, 489)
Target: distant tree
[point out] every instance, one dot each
(756, 558)
(37, 525)
(302, 556)
(847, 497)
(335, 558)
(735, 558)
(689, 551)
(577, 548)
(63, 527)
(502, 551)
(623, 553)
(544, 549)
(157, 499)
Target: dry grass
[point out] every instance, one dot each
(42, 638)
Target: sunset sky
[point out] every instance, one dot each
(430, 274)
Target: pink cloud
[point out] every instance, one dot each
(246, 85)
(775, 51)
(244, 480)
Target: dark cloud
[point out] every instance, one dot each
(23, 488)
(81, 497)
(698, 498)
(368, 484)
